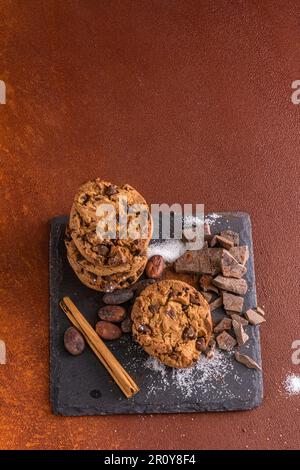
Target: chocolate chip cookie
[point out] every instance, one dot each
(106, 283)
(116, 251)
(172, 321)
(73, 253)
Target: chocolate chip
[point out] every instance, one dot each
(144, 329)
(153, 308)
(201, 344)
(103, 250)
(86, 199)
(171, 313)
(189, 333)
(111, 190)
(185, 308)
(194, 299)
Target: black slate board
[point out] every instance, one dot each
(81, 385)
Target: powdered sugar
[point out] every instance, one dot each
(211, 218)
(191, 220)
(292, 384)
(170, 250)
(207, 376)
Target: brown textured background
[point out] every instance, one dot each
(189, 101)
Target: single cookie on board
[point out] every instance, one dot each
(73, 253)
(108, 252)
(169, 318)
(105, 283)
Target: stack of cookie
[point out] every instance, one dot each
(102, 260)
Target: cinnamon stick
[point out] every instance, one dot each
(120, 376)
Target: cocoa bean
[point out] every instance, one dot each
(117, 297)
(107, 330)
(74, 341)
(126, 325)
(139, 286)
(155, 267)
(113, 313)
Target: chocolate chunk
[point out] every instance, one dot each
(216, 304)
(206, 285)
(126, 325)
(240, 333)
(225, 341)
(231, 267)
(240, 253)
(194, 261)
(238, 318)
(247, 361)
(237, 286)
(204, 261)
(260, 311)
(224, 324)
(232, 302)
(215, 255)
(189, 333)
(224, 242)
(117, 297)
(207, 296)
(254, 318)
(188, 262)
(232, 236)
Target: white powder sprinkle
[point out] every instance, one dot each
(206, 374)
(292, 384)
(210, 219)
(170, 250)
(191, 220)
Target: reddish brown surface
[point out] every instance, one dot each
(187, 101)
